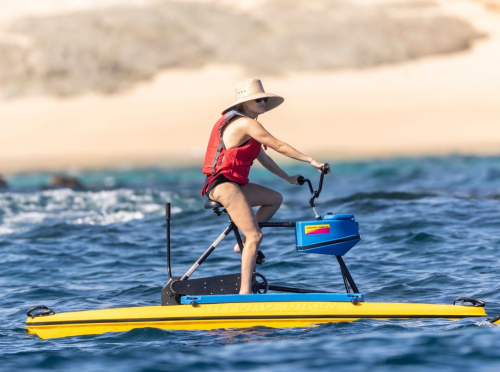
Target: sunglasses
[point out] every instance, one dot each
(258, 100)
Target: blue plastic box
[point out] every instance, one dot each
(335, 235)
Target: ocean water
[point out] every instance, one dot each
(430, 233)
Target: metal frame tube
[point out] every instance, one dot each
(293, 290)
(167, 217)
(347, 275)
(207, 253)
(277, 224)
(238, 238)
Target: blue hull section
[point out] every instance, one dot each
(274, 297)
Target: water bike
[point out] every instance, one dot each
(213, 302)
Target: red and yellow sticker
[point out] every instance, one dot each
(317, 229)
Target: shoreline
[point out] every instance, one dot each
(57, 166)
(433, 106)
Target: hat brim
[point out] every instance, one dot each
(272, 102)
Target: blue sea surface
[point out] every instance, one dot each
(430, 233)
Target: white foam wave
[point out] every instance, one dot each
(485, 323)
(4, 230)
(20, 211)
(109, 219)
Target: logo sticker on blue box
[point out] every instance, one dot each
(317, 229)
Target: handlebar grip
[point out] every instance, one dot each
(325, 168)
(301, 180)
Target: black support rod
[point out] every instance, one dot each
(277, 224)
(204, 256)
(238, 239)
(167, 217)
(346, 274)
(346, 283)
(278, 288)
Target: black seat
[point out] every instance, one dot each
(212, 204)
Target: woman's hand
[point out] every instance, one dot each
(294, 179)
(319, 166)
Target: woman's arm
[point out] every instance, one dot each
(271, 166)
(255, 130)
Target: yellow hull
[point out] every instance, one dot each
(235, 315)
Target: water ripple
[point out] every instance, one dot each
(429, 234)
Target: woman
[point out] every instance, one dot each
(238, 139)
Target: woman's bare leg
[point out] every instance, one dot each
(268, 200)
(231, 196)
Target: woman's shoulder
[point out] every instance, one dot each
(244, 121)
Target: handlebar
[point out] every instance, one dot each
(324, 170)
(301, 180)
(315, 194)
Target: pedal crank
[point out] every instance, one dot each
(259, 283)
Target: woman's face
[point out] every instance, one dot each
(254, 108)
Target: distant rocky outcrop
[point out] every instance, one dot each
(109, 50)
(3, 182)
(65, 181)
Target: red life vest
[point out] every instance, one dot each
(233, 163)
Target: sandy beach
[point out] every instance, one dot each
(430, 106)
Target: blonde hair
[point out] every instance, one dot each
(241, 107)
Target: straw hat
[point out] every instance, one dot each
(251, 89)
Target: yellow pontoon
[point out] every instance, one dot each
(211, 303)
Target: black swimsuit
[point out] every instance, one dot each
(220, 179)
